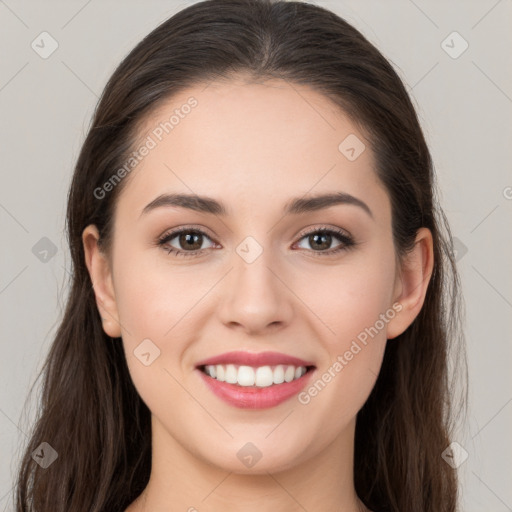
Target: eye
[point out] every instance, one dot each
(189, 238)
(319, 238)
(192, 239)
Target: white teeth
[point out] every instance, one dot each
(289, 374)
(245, 376)
(231, 374)
(263, 376)
(279, 374)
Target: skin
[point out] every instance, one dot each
(253, 146)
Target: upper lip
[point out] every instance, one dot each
(254, 359)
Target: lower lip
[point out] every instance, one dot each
(252, 397)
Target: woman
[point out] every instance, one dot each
(263, 293)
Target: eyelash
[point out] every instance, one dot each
(347, 242)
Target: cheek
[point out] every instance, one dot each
(160, 303)
(353, 304)
(350, 298)
(151, 307)
(151, 298)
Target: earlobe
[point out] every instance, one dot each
(101, 277)
(412, 282)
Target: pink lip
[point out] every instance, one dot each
(254, 359)
(253, 397)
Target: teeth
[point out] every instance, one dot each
(289, 374)
(231, 374)
(263, 376)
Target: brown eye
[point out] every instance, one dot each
(321, 240)
(189, 242)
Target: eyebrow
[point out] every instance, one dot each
(295, 206)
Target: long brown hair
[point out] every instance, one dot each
(90, 411)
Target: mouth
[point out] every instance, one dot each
(255, 377)
(262, 387)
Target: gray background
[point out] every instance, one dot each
(465, 106)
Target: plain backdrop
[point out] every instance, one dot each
(461, 85)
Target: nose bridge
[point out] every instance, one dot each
(254, 297)
(253, 261)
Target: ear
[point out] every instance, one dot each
(412, 282)
(101, 277)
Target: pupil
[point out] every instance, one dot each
(190, 239)
(325, 245)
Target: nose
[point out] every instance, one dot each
(254, 297)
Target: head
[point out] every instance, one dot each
(254, 104)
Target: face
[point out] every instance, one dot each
(259, 276)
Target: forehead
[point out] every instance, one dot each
(253, 144)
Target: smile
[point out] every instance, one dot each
(261, 376)
(260, 387)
